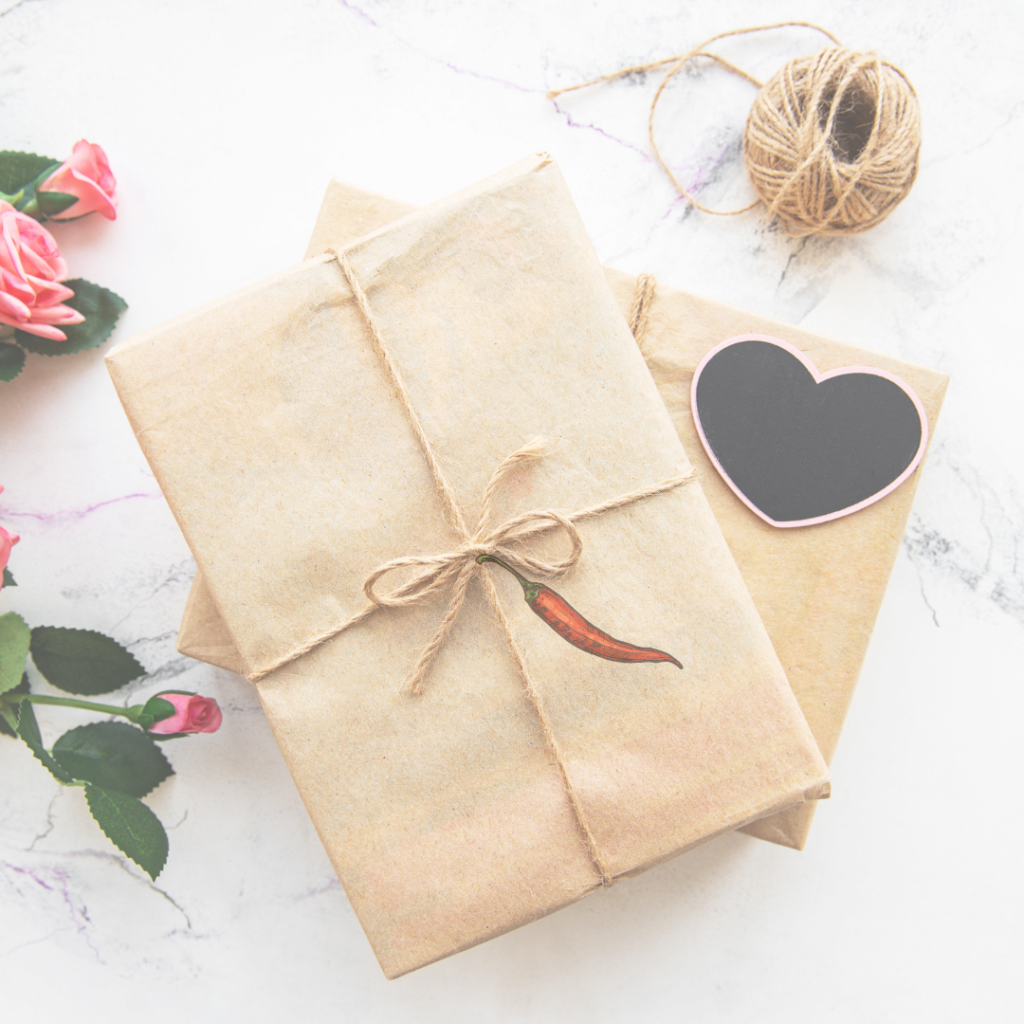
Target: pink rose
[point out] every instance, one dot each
(85, 175)
(30, 269)
(7, 541)
(192, 713)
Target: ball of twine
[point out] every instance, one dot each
(832, 142)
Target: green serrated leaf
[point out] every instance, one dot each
(52, 203)
(82, 661)
(12, 360)
(9, 719)
(28, 730)
(113, 755)
(8, 578)
(9, 712)
(17, 169)
(15, 638)
(100, 306)
(131, 826)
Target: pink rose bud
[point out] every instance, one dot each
(7, 541)
(30, 268)
(86, 174)
(192, 713)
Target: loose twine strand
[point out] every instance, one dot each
(804, 145)
(639, 315)
(454, 570)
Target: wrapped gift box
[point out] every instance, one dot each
(818, 588)
(351, 411)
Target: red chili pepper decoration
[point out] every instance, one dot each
(571, 626)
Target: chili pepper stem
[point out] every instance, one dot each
(525, 584)
(531, 590)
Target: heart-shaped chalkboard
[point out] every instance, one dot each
(798, 446)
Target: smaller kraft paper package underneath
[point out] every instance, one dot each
(378, 458)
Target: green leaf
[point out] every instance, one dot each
(113, 755)
(100, 306)
(52, 203)
(28, 730)
(17, 169)
(15, 639)
(9, 712)
(8, 578)
(82, 661)
(12, 359)
(131, 826)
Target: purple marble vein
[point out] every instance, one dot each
(66, 515)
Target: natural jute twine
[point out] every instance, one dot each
(831, 143)
(452, 571)
(638, 317)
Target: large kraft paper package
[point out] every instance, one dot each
(506, 789)
(818, 588)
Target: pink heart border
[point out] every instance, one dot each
(818, 378)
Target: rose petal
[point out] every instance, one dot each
(42, 330)
(49, 292)
(13, 307)
(63, 315)
(18, 287)
(90, 159)
(12, 242)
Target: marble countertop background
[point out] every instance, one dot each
(223, 121)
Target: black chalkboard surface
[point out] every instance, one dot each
(798, 446)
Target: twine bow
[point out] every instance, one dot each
(453, 570)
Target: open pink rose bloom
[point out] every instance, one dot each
(31, 268)
(192, 713)
(86, 174)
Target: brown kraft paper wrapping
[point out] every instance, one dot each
(293, 470)
(818, 588)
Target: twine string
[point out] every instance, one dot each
(646, 284)
(678, 62)
(453, 571)
(683, 57)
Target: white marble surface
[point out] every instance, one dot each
(223, 121)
